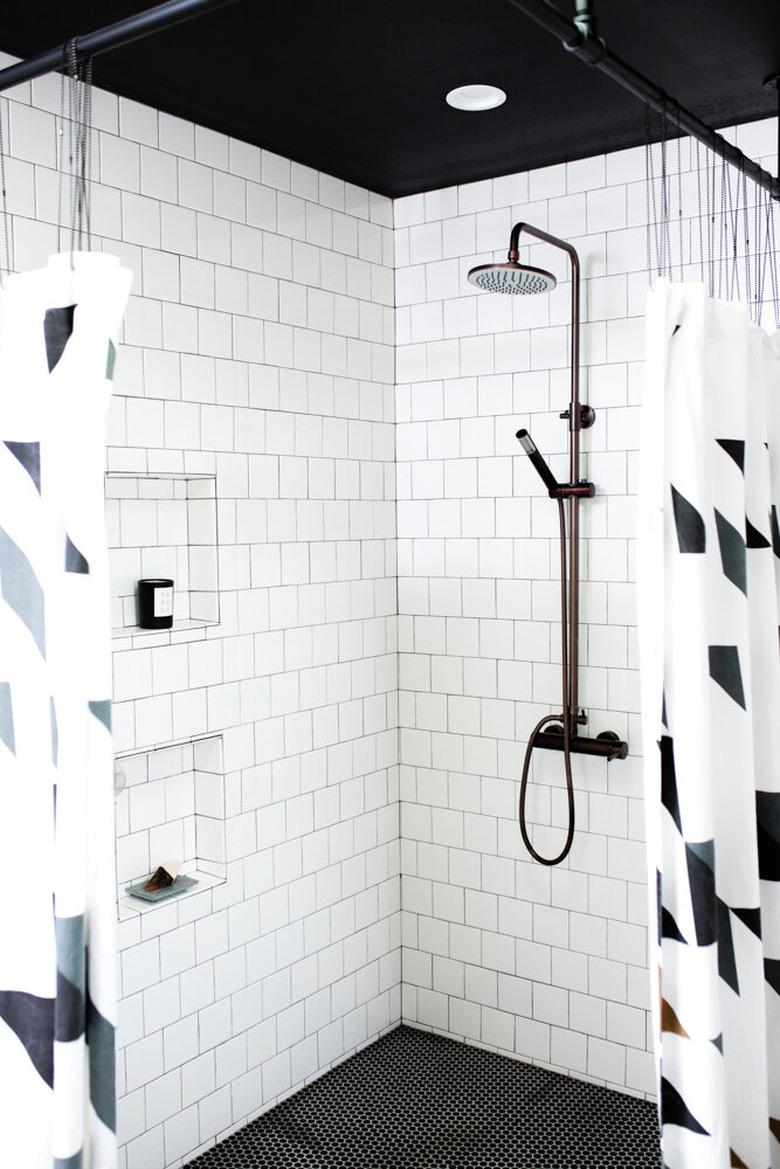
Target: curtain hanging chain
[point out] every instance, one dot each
(7, 233)
(648, 220)
(699, 216)
(743, 195)
(75, 139)
(680, 203)
(772, 249)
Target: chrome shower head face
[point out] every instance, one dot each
(511, 277)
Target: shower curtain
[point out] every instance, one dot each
(708, 575)
(58, 335)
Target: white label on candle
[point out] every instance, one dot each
(163, 602)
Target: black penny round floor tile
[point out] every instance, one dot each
(413, 1100)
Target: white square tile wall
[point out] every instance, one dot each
(163, 525)
(263, 340)
(548, 965)
(172, 808)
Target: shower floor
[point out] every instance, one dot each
(413, 1100)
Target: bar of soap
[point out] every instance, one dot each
(163, 876)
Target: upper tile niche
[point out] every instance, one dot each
(163, 525)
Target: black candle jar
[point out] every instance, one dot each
(155, 603)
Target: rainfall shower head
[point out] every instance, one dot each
(519, 279)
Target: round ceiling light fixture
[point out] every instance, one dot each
(476, 98)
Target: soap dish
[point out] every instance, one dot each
(180, 885)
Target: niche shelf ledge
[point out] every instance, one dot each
(183, 629)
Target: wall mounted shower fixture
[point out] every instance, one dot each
(559, 732)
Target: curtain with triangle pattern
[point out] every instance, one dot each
(58, 337)
(708, 577)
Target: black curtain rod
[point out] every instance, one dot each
(579, 37)
(113, 36)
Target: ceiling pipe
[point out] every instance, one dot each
(578, 36)
(113, 36)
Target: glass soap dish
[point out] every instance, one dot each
(180, 885)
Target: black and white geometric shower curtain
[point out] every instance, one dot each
(58, 336)
(709, 575)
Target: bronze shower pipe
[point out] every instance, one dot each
(577, 418)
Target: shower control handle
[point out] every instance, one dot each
(587, 416)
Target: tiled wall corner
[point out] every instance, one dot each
(258, 354)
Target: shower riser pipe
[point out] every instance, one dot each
(575, 422)
(575, 488)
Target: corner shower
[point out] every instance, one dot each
(557, 732)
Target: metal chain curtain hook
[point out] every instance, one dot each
(9, 265)
(734, 229)
(75, 137)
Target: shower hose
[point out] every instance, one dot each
(564, 719)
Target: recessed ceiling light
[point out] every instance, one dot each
(476, 97)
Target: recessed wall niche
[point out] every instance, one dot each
(163, 525)
(170, 806)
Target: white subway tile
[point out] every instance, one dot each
(138, 122)
(33, 135)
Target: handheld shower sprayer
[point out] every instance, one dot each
(555, 490)
(563, 733)
(538, 460)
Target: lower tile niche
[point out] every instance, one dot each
(170, 806)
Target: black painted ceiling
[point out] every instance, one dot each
(356, 87)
